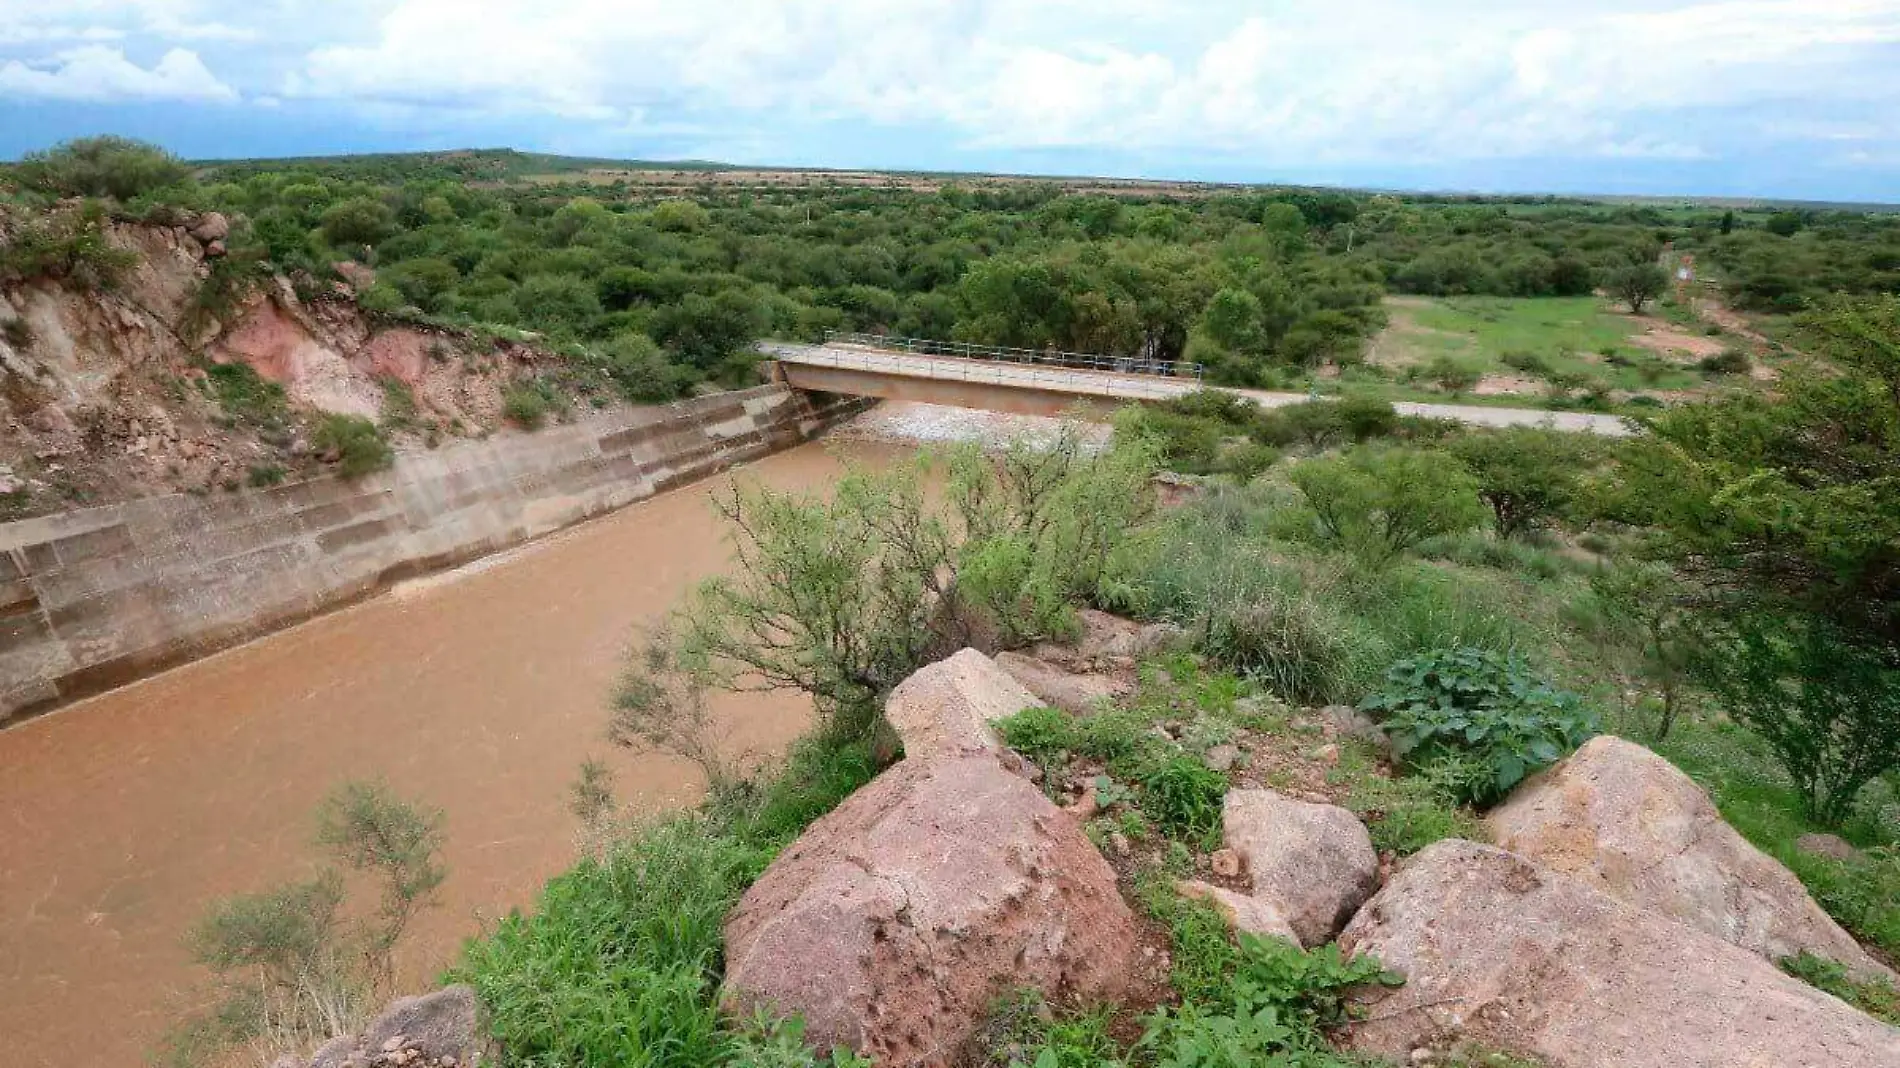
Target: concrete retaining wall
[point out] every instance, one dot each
(95, 598)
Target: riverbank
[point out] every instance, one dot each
(479, 692)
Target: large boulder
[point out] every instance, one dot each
(1314, 864)
(437, 1030)
(895, 922)
(946, 708)
(1627, 821)
(1108, 643)
(1501, 952)
(1075, 693)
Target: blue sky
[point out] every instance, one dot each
(1789, 98)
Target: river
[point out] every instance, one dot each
(479, 692)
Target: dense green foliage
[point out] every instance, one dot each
(106, 166)
(620, 961)
(1475, 706)
(1379, 503)
(1785, 513)
(357, 444)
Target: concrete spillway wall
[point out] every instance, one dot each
(95, 598)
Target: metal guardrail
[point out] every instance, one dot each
(1059, 379)
(964, 350)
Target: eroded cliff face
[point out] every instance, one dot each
(104, 395)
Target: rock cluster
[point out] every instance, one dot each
(1311, 864)
(894, 923)
(1518, 957)
(437, 1030)
(1634, 826)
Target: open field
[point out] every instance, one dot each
(1530, 346)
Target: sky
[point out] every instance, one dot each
(1775, 98)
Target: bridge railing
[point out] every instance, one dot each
(964, 350)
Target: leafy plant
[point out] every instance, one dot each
(246, 395)
(1492, 708)
(293, 966)
(1528, 475)
(1184, 795)
(1272, 1012)
(527, 404)
(1038, 733)
(357, 444)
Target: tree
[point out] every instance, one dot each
(1526, 474)
(1636, 284)
(358, 221)
(1785, 512)
(704, 330)
(108, 166)
(1827, 704)
(1379, 502)
(1233, 320)
(844, 597)
(1728, 222)
(1646, 604)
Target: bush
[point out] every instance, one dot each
(525, 405)
(67, 246)
(1380, 502)
(1473, 705)
(358, 221)
(1184, 795)
(1451, 374)
(1038, 733)
(1366, 418)
(1527, 475)
(1295, 645)
(1727, 362)
(294, 967)
(1530, 363)
(357, 444)
(1246, 461)
(1274, 1010)
(116, 167)
(1189, 444)
(1828, 707)
(641, 371)
(245, 395)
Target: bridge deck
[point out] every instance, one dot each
(1086, 384)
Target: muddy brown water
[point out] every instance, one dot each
(479, 692)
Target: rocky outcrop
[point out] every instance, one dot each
(1074, 693)
(1107, 644)
(947, 707)
(436, 1030)
(1627, 821)
(1313, 864)
(1499, 951)
(895, 922)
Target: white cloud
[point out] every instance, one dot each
(1355, 79)
(100, 73)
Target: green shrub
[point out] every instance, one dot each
(1273, 1011)
(399, 403)
(1366, 418)
(1189, 444)
(1381, 501)
(358, 445)
(1829, 707)
(262, 475)
(641, 371)
(245, 395)
(1726, 362)
(69, 247)
(1246, 460)
(18, 333)
(1038, 733)
(526, 405)
(1184, 795)
(1482, 707)
(1294, 644)
(1877, 998)
(1452, 374)
(1530, 363)
(116, 167)
(1528, 475)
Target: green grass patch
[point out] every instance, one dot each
(620, 961)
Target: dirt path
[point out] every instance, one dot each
(479, 692)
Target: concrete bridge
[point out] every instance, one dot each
(1023, 382)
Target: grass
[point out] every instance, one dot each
(620, 961)
(1576, 341)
